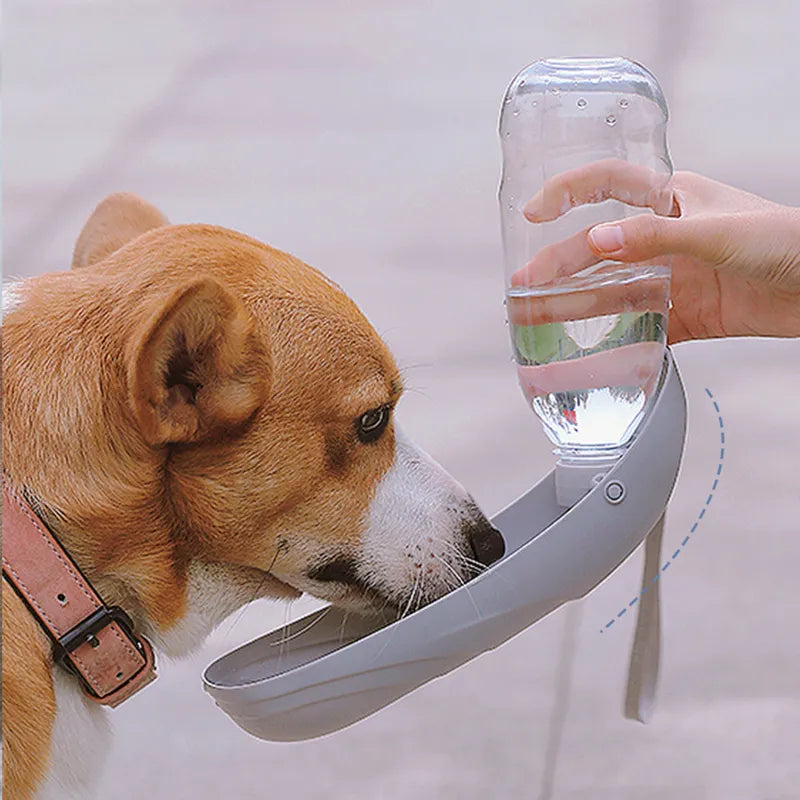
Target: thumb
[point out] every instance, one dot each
(649, 236)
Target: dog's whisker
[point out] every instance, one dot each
(417, 591)
(459, 555)
(260, 586)
(242, 610)
(475, 566)
(414, 588)
(406, 368)
(286, 638)
(398, 617)
(463, 584)
(458, 578)
(284, 629)
(342, 627)
(416, 390)
(467, 561)
(421, 598)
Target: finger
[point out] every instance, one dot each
(557, 261)
(599, 181)
(648, 236)
(677, 330)
(583, 302)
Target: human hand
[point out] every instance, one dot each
(735, 256)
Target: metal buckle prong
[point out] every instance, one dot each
(87, 628)
(85, 632)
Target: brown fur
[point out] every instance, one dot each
(27, 722)
(118, 219)
(179, 335)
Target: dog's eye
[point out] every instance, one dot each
(371, 424)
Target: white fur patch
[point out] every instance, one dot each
(12, 296)
(414, 548)
(214, 591)
(80, 744)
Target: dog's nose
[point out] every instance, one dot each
(487, 542)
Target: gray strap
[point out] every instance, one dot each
(640, 694)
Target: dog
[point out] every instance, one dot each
(202, 420)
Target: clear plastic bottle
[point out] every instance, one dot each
(588, 336)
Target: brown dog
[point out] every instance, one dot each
(202, 420)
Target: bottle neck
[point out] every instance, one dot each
(577, 474)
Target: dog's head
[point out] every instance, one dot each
(276, 399)
(248, 393)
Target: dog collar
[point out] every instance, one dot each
(94, 642)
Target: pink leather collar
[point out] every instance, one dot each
(91, 640)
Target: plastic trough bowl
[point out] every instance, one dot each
(331, 669)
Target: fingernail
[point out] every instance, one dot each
(607, 238)
(533, 207)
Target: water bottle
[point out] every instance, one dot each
(584, 142)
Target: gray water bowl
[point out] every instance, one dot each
(331, 669)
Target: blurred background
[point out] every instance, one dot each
(361, 137)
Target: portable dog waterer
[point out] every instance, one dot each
(331, 669)
(608, 492)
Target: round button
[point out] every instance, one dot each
(615, 492)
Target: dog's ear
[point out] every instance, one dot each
(197, 365)
(116, 221)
